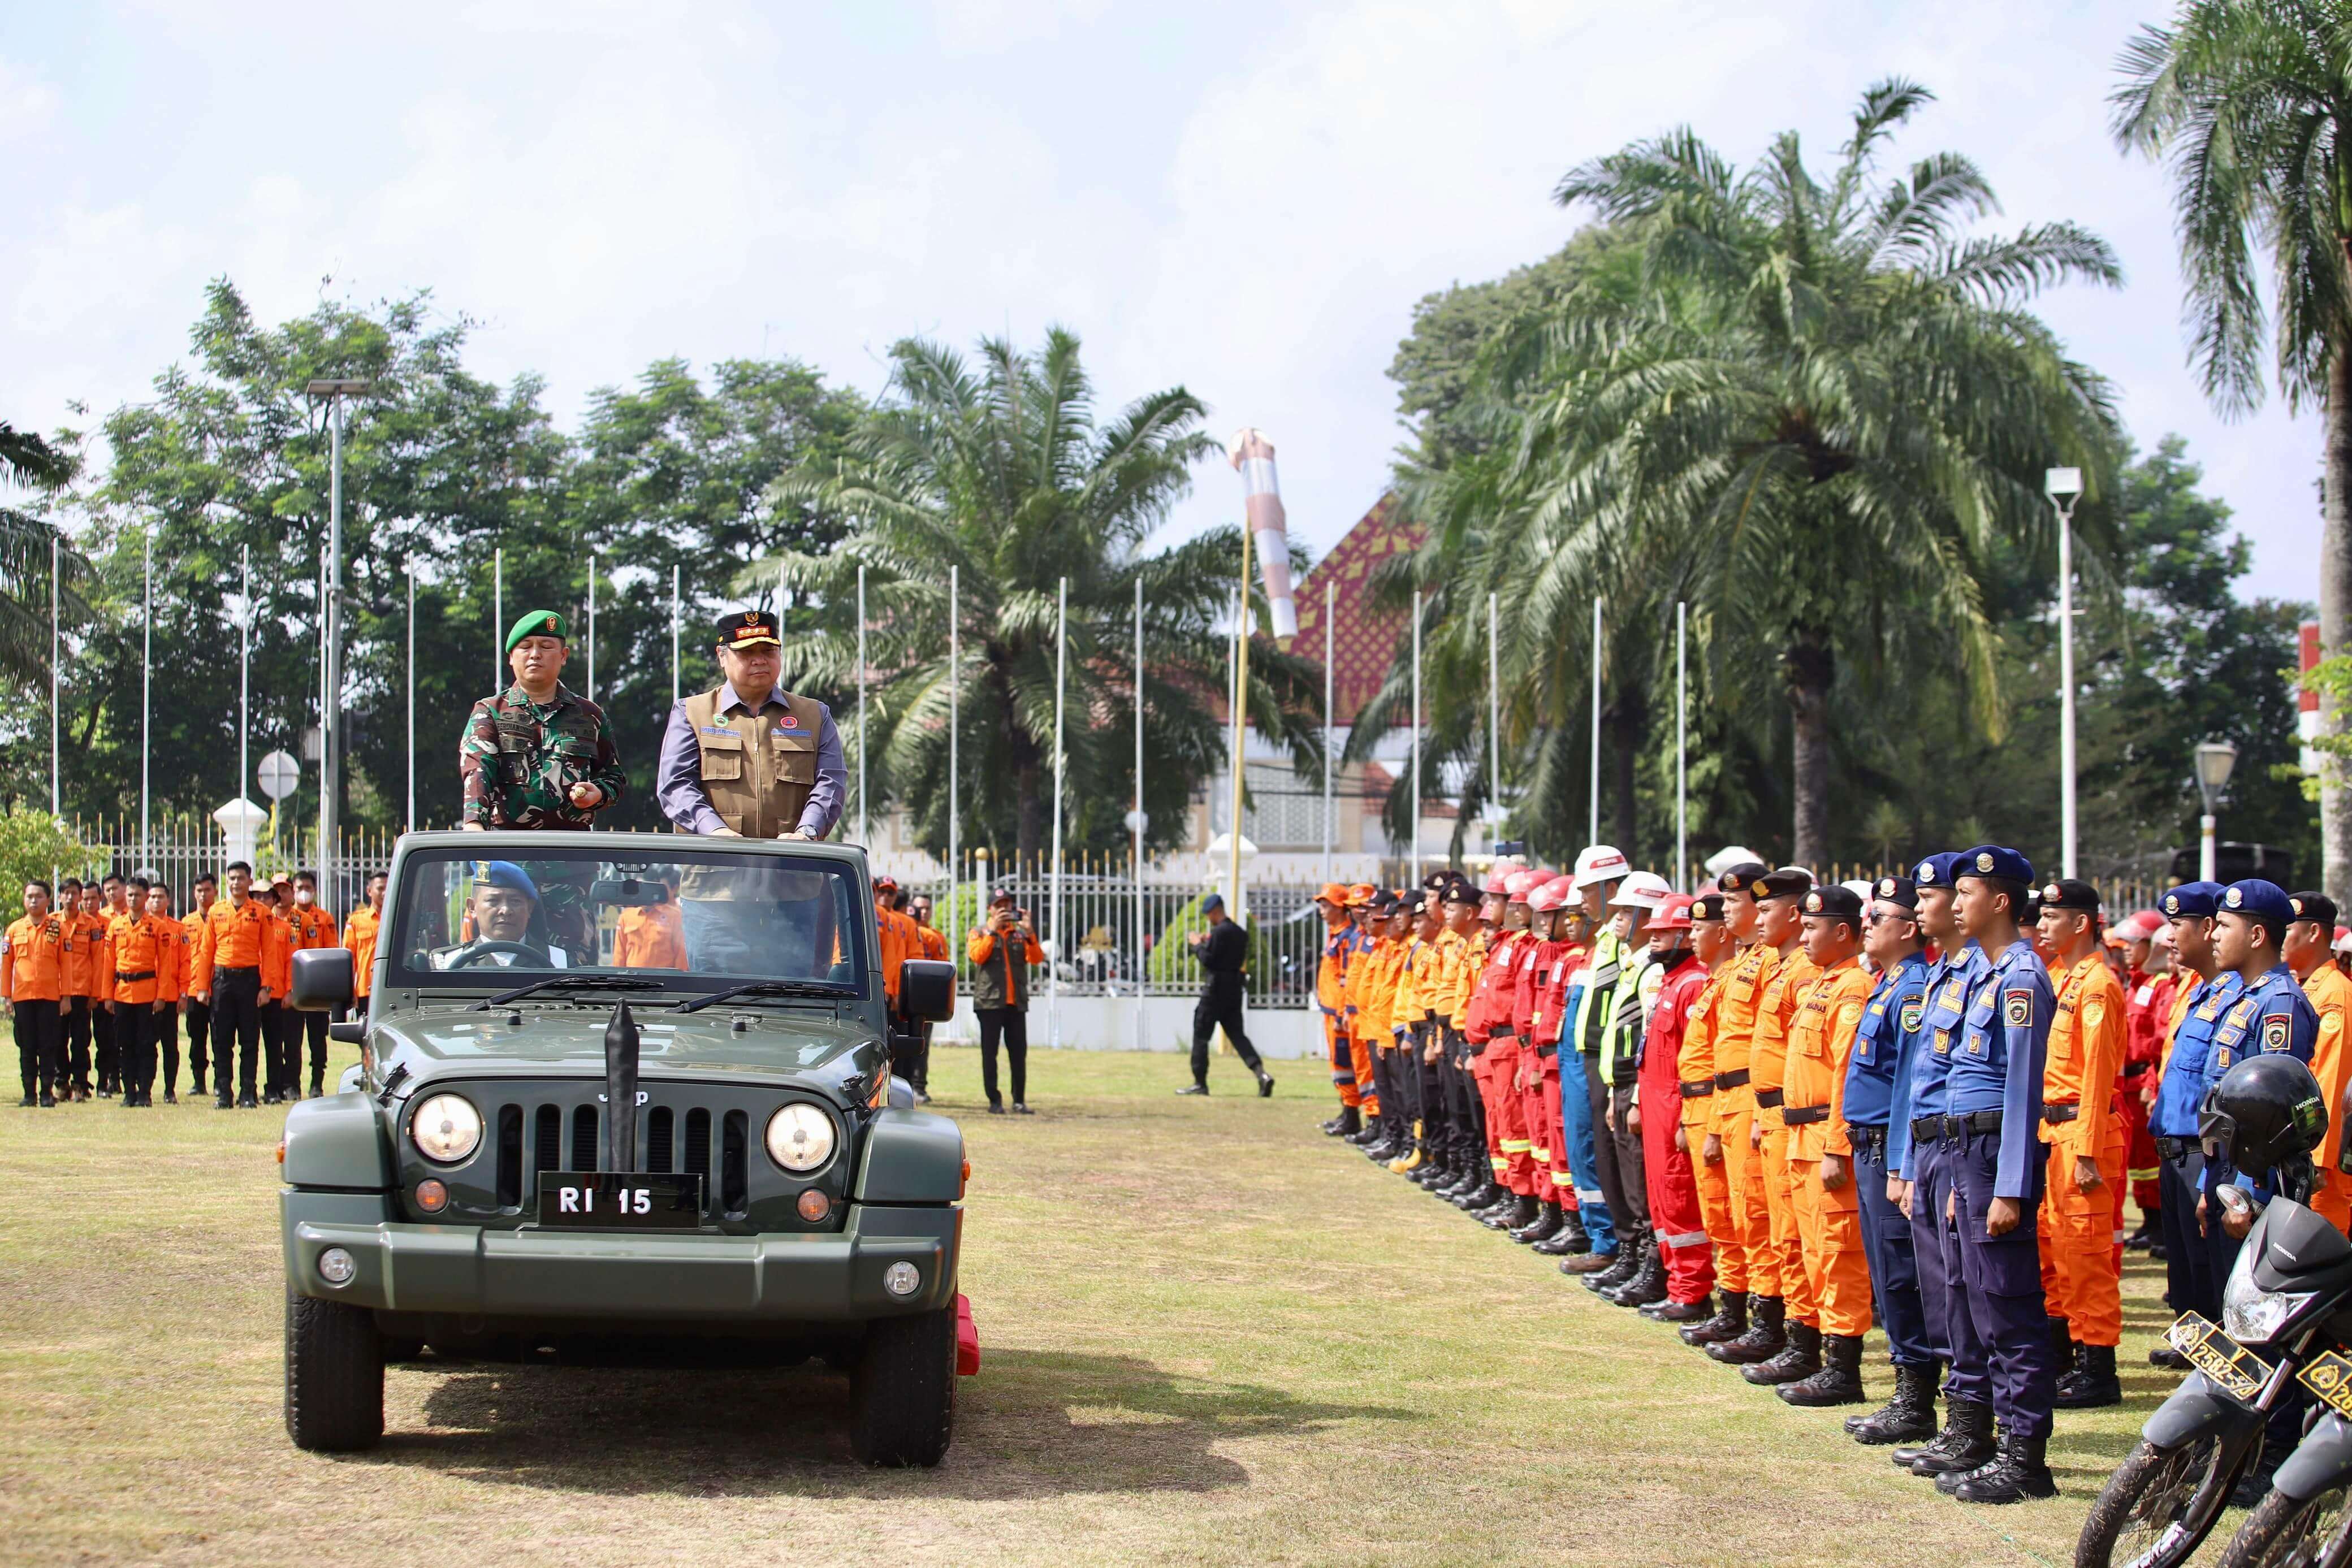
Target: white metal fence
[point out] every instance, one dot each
(181, 848)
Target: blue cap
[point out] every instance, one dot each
(507, 874)
(2258, 900)
(1936, 871)
(1993, 860)
(2194, 899)
(1214, 901)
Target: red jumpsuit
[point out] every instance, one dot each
(1672, 1185)
(1489, 1021)
(1555, 962)
(1529, 1077)
(2147, 1002)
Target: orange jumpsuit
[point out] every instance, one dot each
(33, 959)
(1735, 1038)
(1331, 996)
(360, 933)
(1359, 1039)
(1694, 1066)
(2088, 1036)
(650, 937)
(1829, 1220)
(2331, 994)
(1768, 1064)
(896, 944)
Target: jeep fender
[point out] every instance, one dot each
(911, 1157)
(337, 1141)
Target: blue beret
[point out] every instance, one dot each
(2192, 898)
(1993, 860)
(1936, 871)
(507, 874)
(1214, 901)
(2258, 900)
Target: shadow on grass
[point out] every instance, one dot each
(1033, 1423)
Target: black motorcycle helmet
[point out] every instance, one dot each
(2266, 1113)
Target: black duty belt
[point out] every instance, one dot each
(2060, 1112)
(1956, 1128)
(1704, 1086)
(1926, 1129)
(1871, 1141)
(1731, 1079)
(237, 969)
(1804, 1115)
(1765, 1099)
(1545, 1052)
(2176, 1149)
(132, 977)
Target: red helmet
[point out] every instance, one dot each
(1516, 885)
(1557, 893)
(1672, 912)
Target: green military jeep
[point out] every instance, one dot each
(624, 1096)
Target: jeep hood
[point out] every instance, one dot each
(569, 1041)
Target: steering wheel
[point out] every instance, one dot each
(485, 948)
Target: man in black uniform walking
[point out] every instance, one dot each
(1222, 951)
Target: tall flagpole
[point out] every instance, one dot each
(1241, 725)
(244, 672)
(1139, 823)
(1681, 746)
(410, 820)
(56, 794)
(498, 621)
(1061, 677)
(955, 724)
(1595, 836)
(1494, 721)
(673, 632)
(592, 626)
(1416, 737)
(1330, 591)
(861, 702)
(146, 689)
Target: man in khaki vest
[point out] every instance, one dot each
(747, 759)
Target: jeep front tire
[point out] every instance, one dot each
(334, 1376)
(902, 1395)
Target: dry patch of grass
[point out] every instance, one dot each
(1211, 1336)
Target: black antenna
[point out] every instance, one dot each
(621, 1044)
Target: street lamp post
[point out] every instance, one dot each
(2214, 760)
(334, 391)
(2065, 486)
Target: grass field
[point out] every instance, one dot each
(1210, 1336)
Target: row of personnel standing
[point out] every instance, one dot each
(100, 977)
(1777, 1112)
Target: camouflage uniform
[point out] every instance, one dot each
(519, 760)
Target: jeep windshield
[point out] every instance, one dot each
(692, 919)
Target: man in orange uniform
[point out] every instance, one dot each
(1359, 1042)
(226, 975)
(1701, 1132)
(195, 1015)
(898, 943)
(1819, 1157)
(649, 937)
(307, 927)
(76, 991)
(32, 971)
(113, 901)
(1331, 999)
(1762, 1335)
(142, 949)
(1779, 900)
(2088, 1035)
(278, 1023)
(1459, 953)
(360, 933)
(172, 985)
(935, 948)
(2305, 951)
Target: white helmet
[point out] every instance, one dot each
(1599, 863)
(1730, 855)
(1642, 890)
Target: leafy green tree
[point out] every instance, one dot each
(26, 541)
(1000, 470)
(1823, 407)
(36, 847)
(2249, 103)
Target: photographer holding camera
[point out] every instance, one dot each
(1001, 949)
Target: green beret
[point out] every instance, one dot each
(538, 623)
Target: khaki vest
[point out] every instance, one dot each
(758, 768)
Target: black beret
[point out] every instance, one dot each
(1741, 878)
(1707, 907)
(2071, 894)
(1896, 890)
(1786, 882)
(1835, 900)
(2315, 906)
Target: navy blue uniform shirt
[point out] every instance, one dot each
(1998, 1064)
(1877, 1071)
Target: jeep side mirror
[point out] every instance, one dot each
(322, 980)
(926, 989)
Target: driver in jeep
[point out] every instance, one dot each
(503, 909)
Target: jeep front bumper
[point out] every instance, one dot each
(619, 1275)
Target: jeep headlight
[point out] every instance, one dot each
(800, 1137)
(2250, 1315)
(445, 1129)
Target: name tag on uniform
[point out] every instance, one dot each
(716, 729)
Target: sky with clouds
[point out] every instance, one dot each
(1246, 199)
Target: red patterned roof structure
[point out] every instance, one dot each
(1366, 639)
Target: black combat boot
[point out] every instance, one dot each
(1488, 1193)
(1965, 1443)
(1669, 1311)
(2019, 1472)
(1799, 1358)
(1730, 1321)
(1649, 1281)
(1568, 1240)
(1908, 1417)
(2092, 1384)
(1839, 1382)
(1542, 1227)
(1628, 1260)
(1520, 1211)
(318, 1085)
(1765, 1337)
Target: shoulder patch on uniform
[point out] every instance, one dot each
(1913, 1011)
(2275, 1031)
(2017, 1008)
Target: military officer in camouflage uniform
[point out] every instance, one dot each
(537, 754)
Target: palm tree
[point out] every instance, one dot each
(1823, 405)
(1003, 472)
(25, 543)
(2249, 102)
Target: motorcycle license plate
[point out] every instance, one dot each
(2237, 1371)
(611, 1200)
(2330, 1376)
